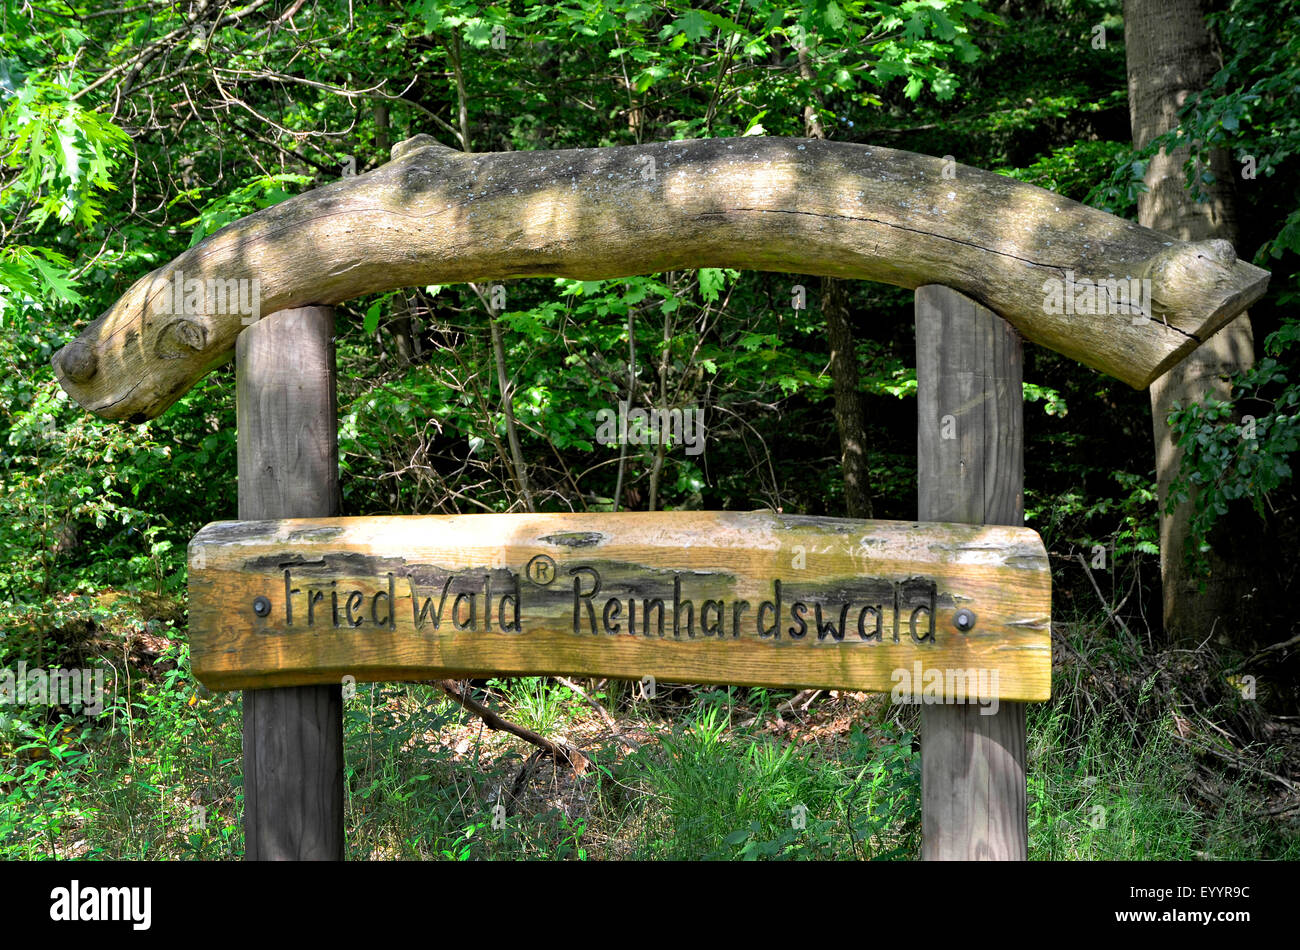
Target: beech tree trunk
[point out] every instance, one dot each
(1167, 45)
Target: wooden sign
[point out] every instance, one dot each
(748, 598)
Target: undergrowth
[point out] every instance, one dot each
(1120, 770)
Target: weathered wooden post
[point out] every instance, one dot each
(970, 468)
(288, 468)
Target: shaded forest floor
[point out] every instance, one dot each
(1140, 755)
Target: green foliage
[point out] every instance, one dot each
(1123, 525)
(63, 153)
(1242, 448)
(535, 703)
(1229, 457)
(56, 158)
(255, 194)
(154, 774)
(1053, 403)
(1248, 110)
(1072, 169)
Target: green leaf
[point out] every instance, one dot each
(694, 25)
(943, 27)
(736, 837)
(56, 278)
(711, 283)
(833, 16)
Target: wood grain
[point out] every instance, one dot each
(968, 380)
(332, 615)
(801, 206)
(288, 467)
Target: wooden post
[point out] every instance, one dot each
(970, 455)
(288, 468)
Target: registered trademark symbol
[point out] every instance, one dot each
(541, 570)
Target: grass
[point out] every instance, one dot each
(154, 775)
(1111, 777)
(698, 774)
(711, 791)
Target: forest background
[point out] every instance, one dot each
(128, 134)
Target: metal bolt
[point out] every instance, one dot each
(963, 620)
(261, 606)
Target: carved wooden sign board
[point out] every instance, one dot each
(751, 598)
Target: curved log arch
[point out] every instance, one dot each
(435, 215)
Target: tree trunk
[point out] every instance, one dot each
(844, 356)
(382, 144)
(405, 330)
(848, 406)
(1168, 53)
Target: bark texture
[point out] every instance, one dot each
(434, 215)
(1169, 57)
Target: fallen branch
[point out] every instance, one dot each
(1259, 654)
(561, 752)
(800, 701)
(1238, 761)
(1279, 810)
